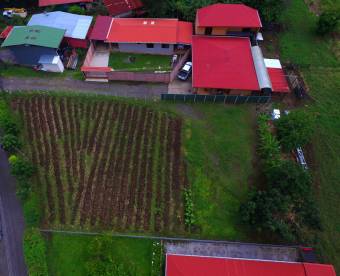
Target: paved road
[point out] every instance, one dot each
(12, 224)
(123, 89)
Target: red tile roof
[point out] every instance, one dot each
(6, 32)
(147, 30)
(180, 265)
(101, 28)
(59, 2)
(228, 15)
(117, 7)
(223, 63)
(278, 80)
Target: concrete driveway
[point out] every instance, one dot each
(180, 87)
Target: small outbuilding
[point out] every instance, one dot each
(28, 44)
(76, 26)
(44, 3)
(123, 8)
(225, 19)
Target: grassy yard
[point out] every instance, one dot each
(67, 254)
(300, 45)
(139, 62)
(219, 145)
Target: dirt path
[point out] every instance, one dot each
(123, 89)
(12, 224)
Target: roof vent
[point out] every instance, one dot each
(145, 22)
(152, 22)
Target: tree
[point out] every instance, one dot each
(327, 22)
(10, 143)
(295, 129)
(21, 168)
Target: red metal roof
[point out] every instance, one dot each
(179, 265)
(278, 80)
(148, 30)
(101, 28)
(117, 7)
(223, 62)
(228, 15)
(6, 32)
(60, 2)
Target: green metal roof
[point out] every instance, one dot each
(34, 35)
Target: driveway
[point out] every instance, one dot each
(122, 89)
(12, 224)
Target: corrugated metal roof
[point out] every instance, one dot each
(43, 3)
(34, 35)
(101, 28)
(118, 7)
(150, 30)
(76, 26)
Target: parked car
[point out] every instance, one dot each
(185, 72)
(300, 158)
(10, 12)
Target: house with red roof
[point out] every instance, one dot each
(225, 19)
(161, 39)
(227, 59)
(123, 8)
(188, 265)
(44, 3)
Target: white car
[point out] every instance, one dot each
(185, 72)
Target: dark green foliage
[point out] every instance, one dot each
(8, 126)
(186, 9)
(10, 143)
(328, 22)
(295, 129)
(76, 10)
(35, 253)
(21, 168)
(101, 259)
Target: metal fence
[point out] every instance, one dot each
(227, 99)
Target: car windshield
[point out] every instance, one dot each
(186, 67)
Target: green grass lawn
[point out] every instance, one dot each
(67, 254)
(219, 148)
(139, 62)
(300, 45)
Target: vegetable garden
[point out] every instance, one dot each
(105, 164)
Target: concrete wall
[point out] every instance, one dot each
(30, 55)
(139, 76)
(232, 92)
(141, 48)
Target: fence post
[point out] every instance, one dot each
(195, 98)
(225, 98)
(185, 96)
(215, 99)
(236, 100)
(247, 99)
(174, 98)
(258, 100)
(205, 98)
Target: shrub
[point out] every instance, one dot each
(157, 258)
(76, 10)
(20, 168)
(35, 253)
(10, 143)
(327, 22)
(295, 129)
(189, 216)
(8, 126)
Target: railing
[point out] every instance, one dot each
(227, 99)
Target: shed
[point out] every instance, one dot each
(51, 63)
(29, 43)
(184, 265)
(76, 26)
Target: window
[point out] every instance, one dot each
(208, 31)
(150, 45)
(165, 46)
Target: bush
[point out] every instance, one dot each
(101, 260)
(32, 211)
(8, 126)
(35, 253)
(20, 168)
(157, 258)
(295, 129)
(327, 22)
(189, 216)
(10, 143)
(76, 10)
